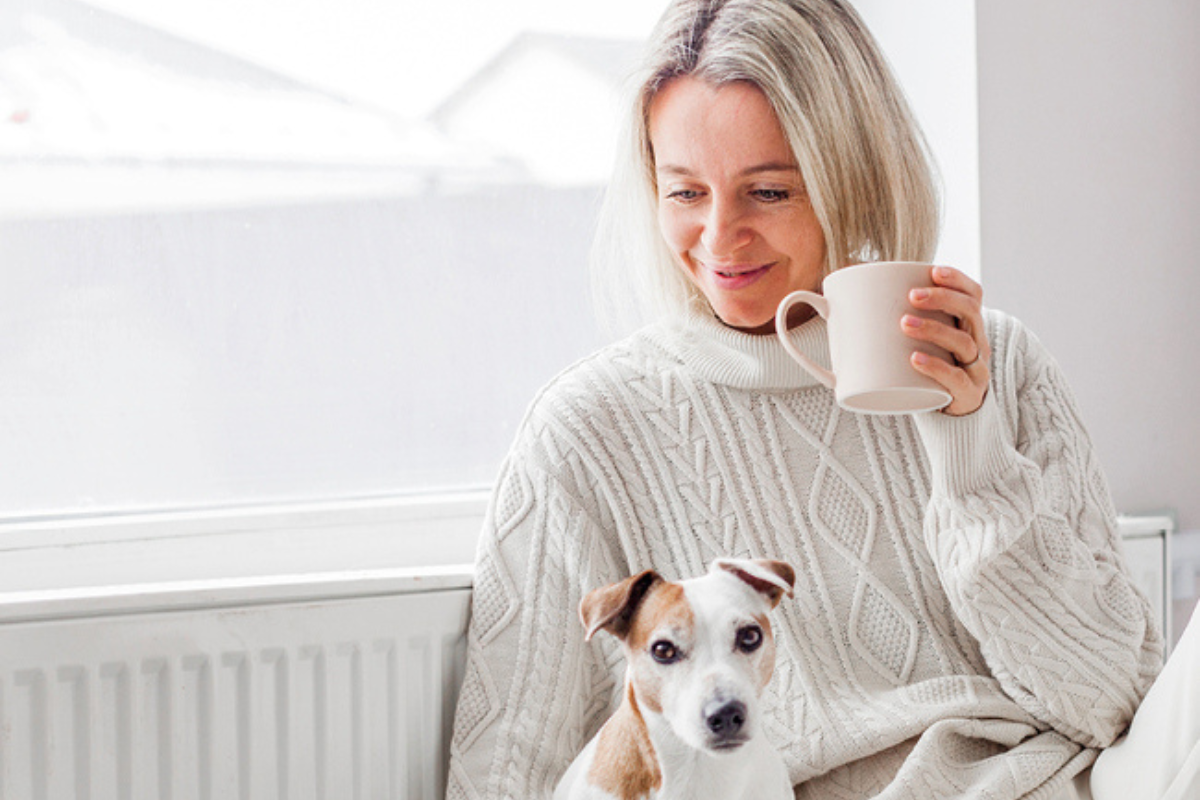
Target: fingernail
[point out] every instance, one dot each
(920, 358)
(920, 294)
(912, 322)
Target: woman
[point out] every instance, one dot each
(963, 624)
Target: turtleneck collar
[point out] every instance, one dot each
(730, 357)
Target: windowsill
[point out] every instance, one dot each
(174, 561)
(143, 563)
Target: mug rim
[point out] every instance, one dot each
(870, 264)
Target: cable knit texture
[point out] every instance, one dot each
(963, 625)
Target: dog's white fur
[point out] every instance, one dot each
(688, 727)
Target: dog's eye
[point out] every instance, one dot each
(664, 652)
(749, 638)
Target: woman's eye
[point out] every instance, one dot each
(683, 195)
(749, 638)
(772, 195)
(664, 652)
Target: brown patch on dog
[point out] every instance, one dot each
(663, 611)
(766, 654)
(773, 590)
(625, 764)
(663, 607)
(612, 608)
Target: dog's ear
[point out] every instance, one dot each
(612, 607)
(772, 579)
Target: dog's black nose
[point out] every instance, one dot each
(725, 719)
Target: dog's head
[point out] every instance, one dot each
(700, 652)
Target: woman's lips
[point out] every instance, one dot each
(737, 276)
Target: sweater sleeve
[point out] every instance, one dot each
(1023, 530)
(533, 690)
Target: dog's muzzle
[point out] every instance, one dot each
(725, 721)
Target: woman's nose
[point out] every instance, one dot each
(725, 230)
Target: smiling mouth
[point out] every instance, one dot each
(741, 271)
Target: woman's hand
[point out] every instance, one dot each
(967, 378)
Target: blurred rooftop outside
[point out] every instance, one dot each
(102, 110)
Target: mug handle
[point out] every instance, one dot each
(821, 306)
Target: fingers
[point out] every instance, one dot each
(951, 278)
(957, 295)
(967, 387)
(959, 342)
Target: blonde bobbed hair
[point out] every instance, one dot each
(864, 160)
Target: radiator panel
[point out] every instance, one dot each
(336, 700)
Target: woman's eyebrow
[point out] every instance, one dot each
(771, 166)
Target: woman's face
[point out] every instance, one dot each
(731, 201)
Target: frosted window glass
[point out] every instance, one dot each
(316, 350)
(254, 250)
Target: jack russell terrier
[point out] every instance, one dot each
(698, 655)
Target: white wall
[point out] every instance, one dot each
(1090, 197)
(931, 46)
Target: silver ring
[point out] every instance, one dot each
(973, 361)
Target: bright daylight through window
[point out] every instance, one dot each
(256, 250)
(261, 251)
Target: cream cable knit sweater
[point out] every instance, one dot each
(963, 624)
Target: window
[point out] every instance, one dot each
(259, 251)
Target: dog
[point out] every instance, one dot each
(698, 655)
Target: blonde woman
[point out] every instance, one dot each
(964, 625)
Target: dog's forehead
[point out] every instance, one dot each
(721, 595)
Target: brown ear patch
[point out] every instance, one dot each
(612, 608)
(772, 579)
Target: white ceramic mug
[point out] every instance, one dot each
(869, 352)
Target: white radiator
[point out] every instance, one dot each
(331, 698)
(326, 684)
